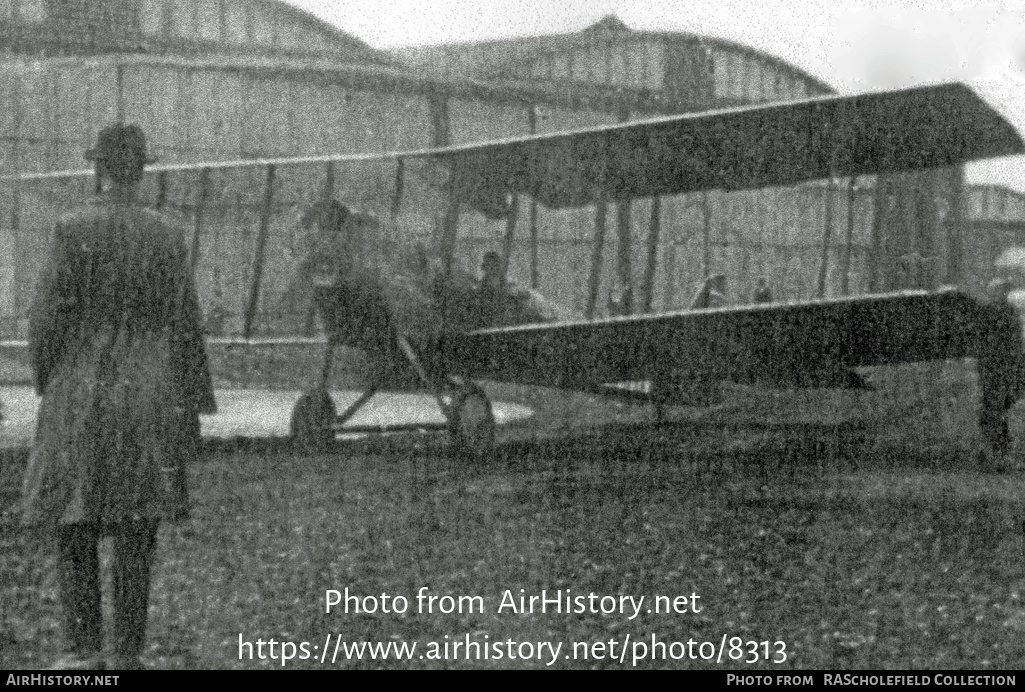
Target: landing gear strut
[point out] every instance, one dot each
(465, 406)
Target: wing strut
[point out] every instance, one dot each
(19, 243)
(827, 236)
(601, 211)
(845, 260)
(624, 263)
(328, 193)
(651, 262)
(706, 235)
(449, 232)
(510, 234)
(400, 184)
(197, 228)
(535, 281)
(396, 200)
(161, 199)
(261, 245)
(448, 250)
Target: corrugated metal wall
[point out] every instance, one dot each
(700, 74)
(198, 112)
(997, 223)
(77, 27)
(635, 63)
(994, 203)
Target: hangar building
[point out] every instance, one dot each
(215, 80)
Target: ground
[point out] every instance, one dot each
(844, 530)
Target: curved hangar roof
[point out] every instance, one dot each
(695, 72)
(174, 27)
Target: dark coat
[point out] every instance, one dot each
(118, 355)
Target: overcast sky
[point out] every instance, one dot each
(853, 45)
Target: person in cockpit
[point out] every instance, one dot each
(762, 294)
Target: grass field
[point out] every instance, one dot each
(856, 529)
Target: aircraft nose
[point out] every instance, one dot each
(355, 310)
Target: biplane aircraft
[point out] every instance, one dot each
(430, 325)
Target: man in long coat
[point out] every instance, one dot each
(119, 360)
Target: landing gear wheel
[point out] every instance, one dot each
(313, 418)
(472, 423)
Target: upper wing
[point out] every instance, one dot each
(798, 344)
(756, 146)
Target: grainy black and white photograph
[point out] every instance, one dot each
(453, 334)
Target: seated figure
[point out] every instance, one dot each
(762, 294)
